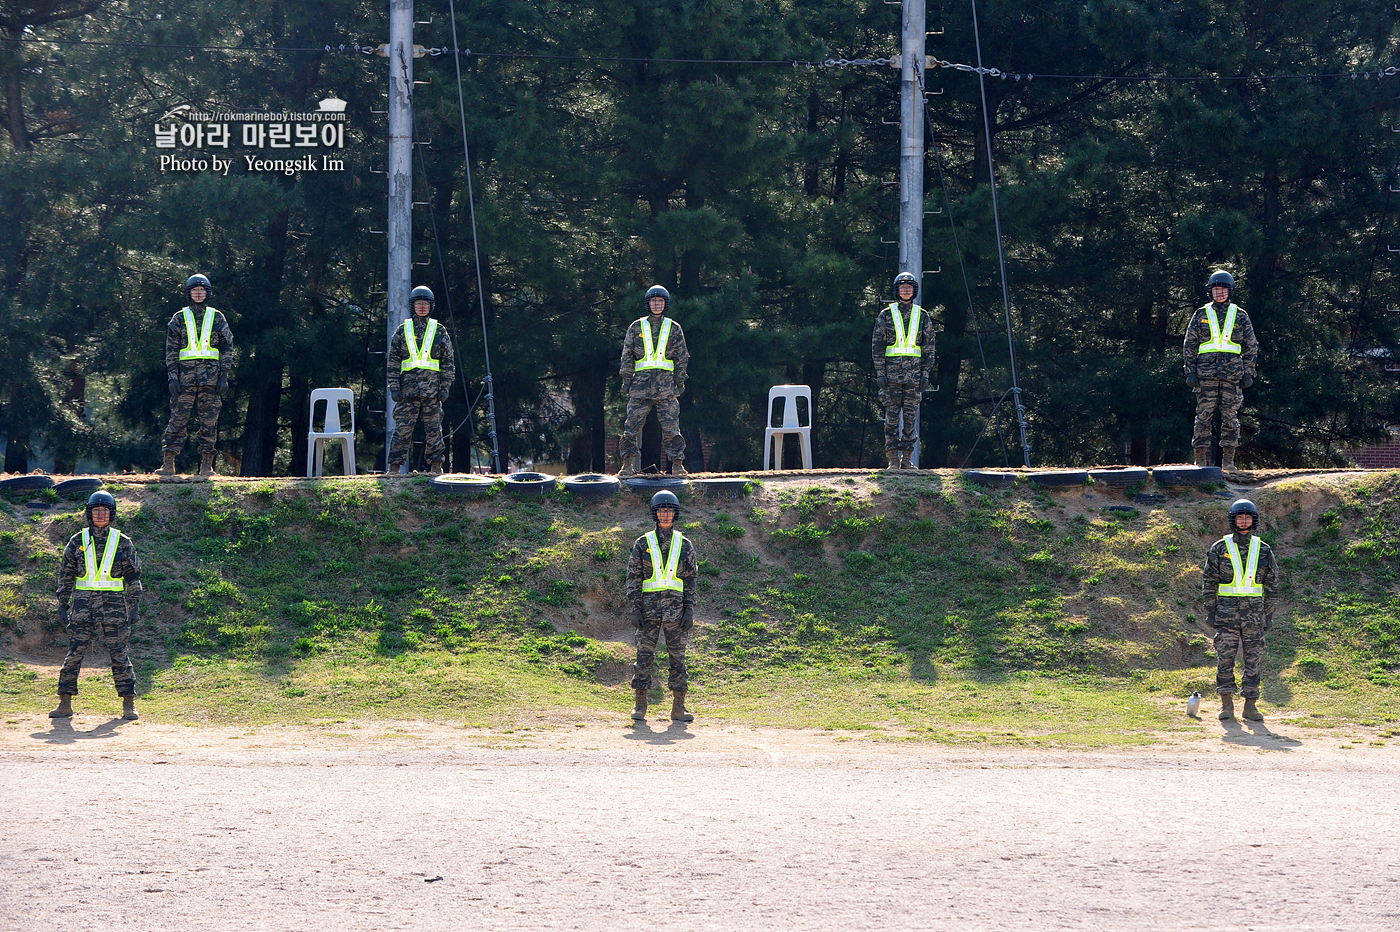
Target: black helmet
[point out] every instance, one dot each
(656, 291)
(1243, 506)
(665, 499)
(903, 277)
(1222, 278)
(100, 498)
(197, 279)
(422, 293)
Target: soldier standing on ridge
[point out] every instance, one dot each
(1220, 350)
(661, 587)
(654, 361)
(198, 356)
(1239, 588)
(421, 369)
(902, 332)
(101, 577)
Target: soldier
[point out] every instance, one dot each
(901, 366)
(1239, 586)
(101, 576)
(198, 356)
(654, 361)
(421, 369)
(1220, 350)
(661, 582)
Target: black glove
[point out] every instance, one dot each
(636, 616)
(883, 382)
(396, 394)
(173, 385)
(1268, 621)
(1210, 617)
(1192, 379)
(443, 393)
(63, 612)
(680, 389)
(1247, 381)
(626, 386)
(923, 384)
(133, 615)
(687, 619)
(880, 395)
(223, 384)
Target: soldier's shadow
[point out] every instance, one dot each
(1256, 735)
(61, 731)
(642, 731)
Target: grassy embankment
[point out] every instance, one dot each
(894, 605)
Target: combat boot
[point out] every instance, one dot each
(65, 707)
(639, 711)
(129, 708)
(678, 469)
(893, 456)
(435, 468)
(168, 467)
(1251, 711)
(1227, 708)
(629, 468)
(678, 712)
(206, 464)
(1227, 459)
(1202, 456)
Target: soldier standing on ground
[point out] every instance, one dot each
(421, 369)
(1220, 350)
(1239, 588)
(99, 592)
(198, 356)
(902, 332)
(662, 573)
(654, 362)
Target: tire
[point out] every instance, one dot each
(27, 483)
(78, 486)
(469, 484)
(529, 484)
(647, 485)
(1183, 476)
(1058, 477)
(1121, 477)
(992, 479)
(728, 485)
(591, 486)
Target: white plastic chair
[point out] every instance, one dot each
(331, 430)
(786, 396)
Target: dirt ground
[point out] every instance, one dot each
(412, 825)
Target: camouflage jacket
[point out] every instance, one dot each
(902, 370)
(653, 383)
(666, 606)
(1233, 611)
(1227, 367)
(422, 383)
(198, 372)
(125, 565)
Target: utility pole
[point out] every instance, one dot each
(400, 228)
(911, 154)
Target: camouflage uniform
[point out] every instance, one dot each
(198, 379)
(1219, 374)
(905, 377)
(94, 612)
(650, 388)
(661, 611)
(421, 392)
(1240, 621)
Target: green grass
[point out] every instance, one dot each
(916, 607)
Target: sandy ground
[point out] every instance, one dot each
(413, 825)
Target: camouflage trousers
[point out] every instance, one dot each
(406, 415)
(204, 398)
(668, 415)
(1248, 641)
(648, 635)
(901, 398)
(84, 624)
(1228, 397)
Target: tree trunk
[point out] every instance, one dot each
(300, 400)
(260, 427)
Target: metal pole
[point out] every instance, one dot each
(911, 154)
(400, 227)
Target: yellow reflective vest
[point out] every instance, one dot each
(1243, 584)
(420, 357)
(906, 342)
(98, 577)
(654, 356)
(1221, 338)
(664, 578)
(197, 344)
